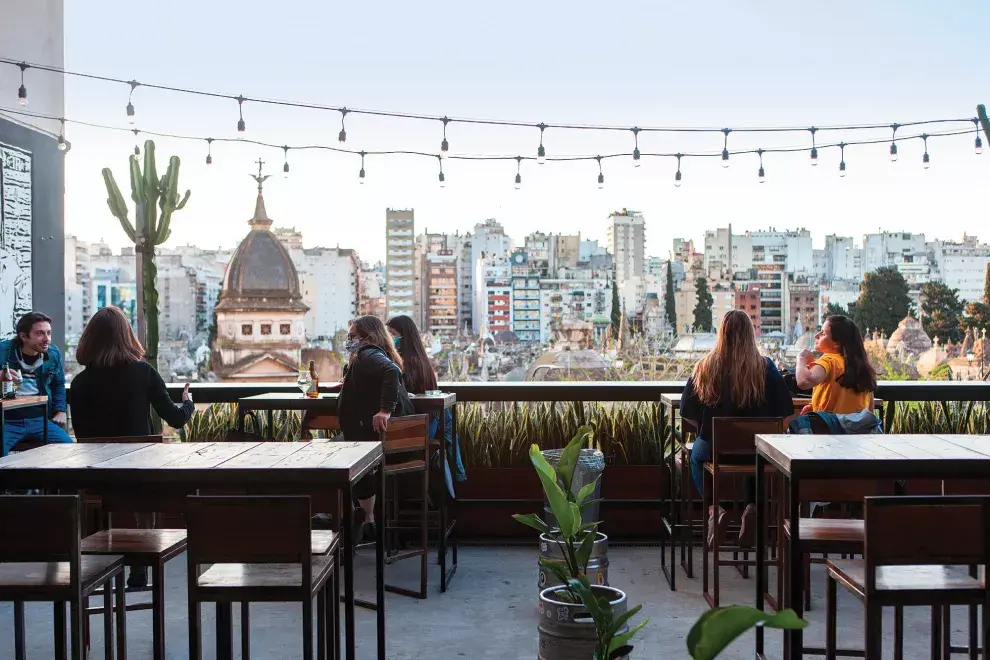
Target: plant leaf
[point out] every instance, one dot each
(589, 600)
(532, 520)
(622, 640)
(623, 619)
(558, 502)
(584, 552)
(620, 652)
(717, 628)
(568, 463)
(586, 491)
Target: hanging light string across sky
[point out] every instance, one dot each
(724, 154)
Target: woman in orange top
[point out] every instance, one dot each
(842, 378)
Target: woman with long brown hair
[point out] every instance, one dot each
(732, 380)
(113, 396)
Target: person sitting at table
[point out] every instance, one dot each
(842, 378)
(371, 394)
(419, 377)
(113, 396)
(37, 367)
(732, 380)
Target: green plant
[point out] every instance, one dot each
(610, 643)
(212, 424)
(151, 196)
(716, 629)
(574, 537)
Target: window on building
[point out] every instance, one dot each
(266, 328)
(247, 329)
(284, 329)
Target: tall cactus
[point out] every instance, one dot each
(981, 113)
(155, 200)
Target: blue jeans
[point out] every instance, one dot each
(701, 453)
(31, 429)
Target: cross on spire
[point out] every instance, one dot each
(258, 177)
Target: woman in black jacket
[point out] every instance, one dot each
(113, 396)
(372, 392)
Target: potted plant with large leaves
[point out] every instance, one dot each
(716, 629)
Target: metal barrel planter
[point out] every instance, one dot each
(590, 465)
(567, 631)
(597, 562)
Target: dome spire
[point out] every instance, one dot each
(260, 219)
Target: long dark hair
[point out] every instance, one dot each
(418, 371)
(372, 330)
(108, 341)
(734, 365)
(859, 374)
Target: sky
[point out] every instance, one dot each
(721, 63)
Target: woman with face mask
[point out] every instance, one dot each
(371, 394)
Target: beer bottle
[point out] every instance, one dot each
(314, 386)
(7, 383)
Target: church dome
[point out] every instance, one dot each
(261, 274)
(910, 332)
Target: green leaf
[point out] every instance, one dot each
(558, 568)
(620, 652)
(586, 491)
(584, 552)
(717, 628)
(558, 502)
(532, 520)
(623, 619)
(589, 600)
(568, 463)
(622, 640)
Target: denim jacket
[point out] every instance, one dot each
(51, 374)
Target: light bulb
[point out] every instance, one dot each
(342, 136)
(22, 95)
(518, 181)
(677, 179)
(285, 167)
(541, 155)
(762, 175)
(209, 159)
(978, 145)
(62, 145)
(814, 156)
(240, 126)
(725, 157)
(361, 176)
(893, 152)
(636, 161)
(442, 179)
(842, 168)
(926, 161)
(137, 150)
(444, 147)
(601, 181)
(130, 112)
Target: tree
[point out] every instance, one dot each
(832, 309)
(670, 308)
(986, 286)
(703, 308)
(977, 316)
(616, 310)
(883, 300)
(941, 310)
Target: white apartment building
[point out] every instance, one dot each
(961, 265)
(727, 253)
(330, 282)
(892, 249)
(493, 294)
(582, 296)
(843, 260)
(400, 238)
(627, 243)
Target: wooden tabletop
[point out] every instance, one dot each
(190, 464)
(328, 402)
(877, 456)
(23, 402)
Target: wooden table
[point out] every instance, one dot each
(425, 404)
(322, 470)
(800, 457)
(24, 402)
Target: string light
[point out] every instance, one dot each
(725, 148)
(361, 173)
(842, 159)
(518, 172)
(342, 136)
(677, 176)
(601, 175)
(814, 149)
(925, 160)
(240, 112)
(130, 104)
(762, 174)
(22, 93)
(978, 142)
(137, 149)
(893, 142)
(444, 145)
(285, 155)
(541, 153)
(62, 144)
(209, 151)
(441, 178)
(635, 132)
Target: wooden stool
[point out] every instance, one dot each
(42, 561)
(260, 549)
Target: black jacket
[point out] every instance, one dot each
(113, 402)
(372, 382)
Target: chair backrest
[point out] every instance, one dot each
(124, 439)
(249, 529)
(407, 434)
(736, 436)
(926, 530)
(40, 528)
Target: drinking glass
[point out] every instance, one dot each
(304, 381)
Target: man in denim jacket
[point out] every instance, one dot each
(42, 372)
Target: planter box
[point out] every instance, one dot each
(489, 497)
(627, 512)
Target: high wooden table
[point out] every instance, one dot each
(323, 470)
(800, 457)
(326, 403)
(24, 402)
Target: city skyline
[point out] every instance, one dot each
(789, 77)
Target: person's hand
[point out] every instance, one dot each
(807, 410)
(806, 356)
(186, 396)
(60, 418)
(380, 421)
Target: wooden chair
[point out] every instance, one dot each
(683, 525)
(912, 545)
(260, 548)
(142, 549)
(733, 455)
(41, 560)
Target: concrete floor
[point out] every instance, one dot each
(489, 612)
